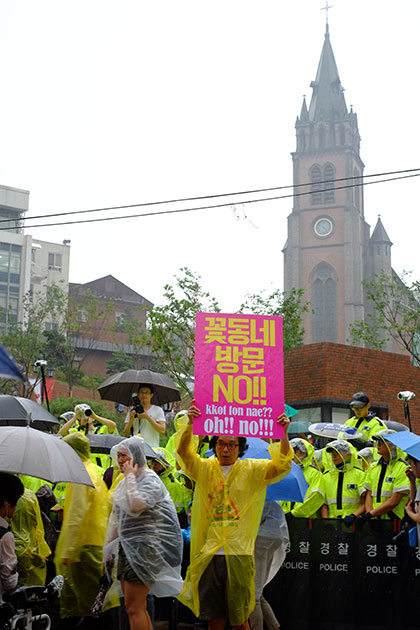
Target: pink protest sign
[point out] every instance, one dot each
(239, 385)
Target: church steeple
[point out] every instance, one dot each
(380, 250)
(379, 235)
(327, 238)
(327, 102)
(327, 123)
(304, 115)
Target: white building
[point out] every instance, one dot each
(26, 263)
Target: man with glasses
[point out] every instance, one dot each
(226, 513)
(364, 420)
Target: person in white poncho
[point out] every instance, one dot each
(144, 531)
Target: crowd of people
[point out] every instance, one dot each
(188, 520)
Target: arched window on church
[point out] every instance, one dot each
(329, 184)
(323, 283)
(316, 177)
(321, 136)
(342, 135)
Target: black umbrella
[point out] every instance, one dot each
(121, 387)
(103, 442)
(16, 411)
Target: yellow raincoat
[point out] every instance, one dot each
(31, 549)
(226, 513)
(78, 555)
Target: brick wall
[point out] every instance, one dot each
(333, 371)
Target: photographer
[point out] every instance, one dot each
(84, 419)
(145, 418)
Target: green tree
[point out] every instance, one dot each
(170, 333)
(288, 305)
(171, 327)
(395, 315)
(81, 321)
(25, 340)
(119, 362)
(92, 383)
(77, 323)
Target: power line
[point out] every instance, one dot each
(220, 195)
(223, 205)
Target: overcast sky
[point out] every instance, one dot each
(107, 103)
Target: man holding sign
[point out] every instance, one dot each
(226, 513)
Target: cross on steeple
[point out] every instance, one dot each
(326, 9)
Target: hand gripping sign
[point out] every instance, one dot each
(239, 385)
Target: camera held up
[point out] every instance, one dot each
(137, 406)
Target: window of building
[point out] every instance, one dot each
(119, 321)
(82, 314)
(324, 303)
(11, 220)
(329, 183)
(316, 176)
(54, 261)
(51, 326)
(310, 414)
(340, 415)
(10, 262)
(321, 137)
(123, 320)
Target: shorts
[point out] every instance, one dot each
(124, 569)
(227, 589)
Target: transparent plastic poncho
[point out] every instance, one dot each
(145, 524)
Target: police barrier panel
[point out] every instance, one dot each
(338, 578)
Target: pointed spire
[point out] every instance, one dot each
(379, 233)
(304, 116)
(327, 100)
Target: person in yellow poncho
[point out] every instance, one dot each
(78, 555)
(31, 548)
(226, 513)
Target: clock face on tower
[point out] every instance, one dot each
(323, 226)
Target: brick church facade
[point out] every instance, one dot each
(329, 250)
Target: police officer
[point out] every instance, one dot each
(364, 420)
(386, 481)
(304, 452)
(343, 484)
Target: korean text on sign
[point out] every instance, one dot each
(239, 374)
